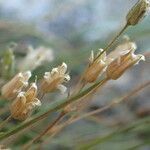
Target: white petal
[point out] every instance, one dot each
(21, 94)
(63, 68)
(67, 77)
(27, 75)
(91, 59)
(37, 102)
(34, 85)
(139, 58)
(142, 57)
(54, 71)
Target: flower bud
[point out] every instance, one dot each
(138, 12)
(24, 103)
(121, 64)
(13, 87)
(95, 68)
(53, 80)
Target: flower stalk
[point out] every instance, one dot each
(54, 107)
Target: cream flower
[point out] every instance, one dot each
(53, 80)
(96, 67)
(14, 86)
(119, 65)
(121, 50)
(25, 102)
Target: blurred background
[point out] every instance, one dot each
(70, 29)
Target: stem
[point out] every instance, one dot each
(5, 122)
(113, 41)
(4, 110)
(113, 103)
(54, 107)
(36, 139)
(123, 130)
(145, 142)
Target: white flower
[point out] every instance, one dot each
(54, 80)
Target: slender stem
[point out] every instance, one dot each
(36, 139)
(54, 107)
(104, 138)
(145, 142)
(113, 41)
(4, 110)
(5, 121)
(113, 103)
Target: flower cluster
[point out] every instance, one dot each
(114, 64)
(53, 80)
(24, 103)
(25, 98)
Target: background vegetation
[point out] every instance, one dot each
(72, 29)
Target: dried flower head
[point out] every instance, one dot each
(138, 12)
(35, 57)
(53, 80)
(121, 49)
(96, 67)
(14, 86)
(119, 65)
(25, 102)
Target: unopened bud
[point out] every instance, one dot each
(138, 12)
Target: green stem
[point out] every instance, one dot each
(5, 122)
(113, 41)
(50, 126)
(54, 107)
(145, 142)
(112, 134)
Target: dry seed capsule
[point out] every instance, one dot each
(14, 86)
(121, 64)
(120, 50)
(95, 68)
(25, 102)
(138, 12)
